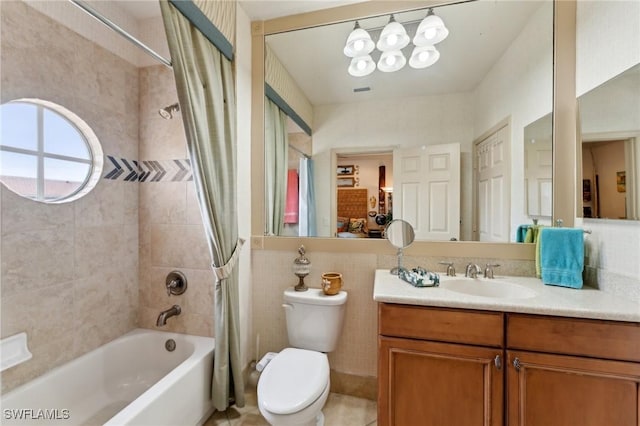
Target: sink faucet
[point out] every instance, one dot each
(472, 270)
(451, 271)
(488, 271)
(165, 315)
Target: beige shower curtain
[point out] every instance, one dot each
(276, 149)
(205, 83)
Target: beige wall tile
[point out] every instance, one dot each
(20, 214)
(28, 260)
(99, 247)
(102, 206)
(69, 273)
(179, 246)
(164, 202)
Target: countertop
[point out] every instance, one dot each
(586, 302)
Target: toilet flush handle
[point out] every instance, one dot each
(287, 306)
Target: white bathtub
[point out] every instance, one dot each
(132, 380)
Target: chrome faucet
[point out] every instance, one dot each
(165, 315)
(488, 271)
(451, 271)
(472, 270)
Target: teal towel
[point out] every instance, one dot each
(521, 233)
(562, 256)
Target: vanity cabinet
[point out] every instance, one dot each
(440, 366)
(567, 371)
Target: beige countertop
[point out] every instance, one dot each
(534, 298)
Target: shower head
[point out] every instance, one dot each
(167, 112)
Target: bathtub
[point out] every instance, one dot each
(133, 380)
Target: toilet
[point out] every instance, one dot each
(294, 385)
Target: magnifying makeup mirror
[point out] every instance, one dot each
(400, 234)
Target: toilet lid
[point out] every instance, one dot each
(293, 380)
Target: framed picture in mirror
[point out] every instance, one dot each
(586, 190)
(345, 170)
(621, 181)
(346, 182)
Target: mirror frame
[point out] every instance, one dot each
(565, 142)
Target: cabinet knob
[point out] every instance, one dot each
(516, 364)
(498, 362)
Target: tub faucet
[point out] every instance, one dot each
(165, 315)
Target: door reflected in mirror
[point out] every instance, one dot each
(494, 67)
(538, 163)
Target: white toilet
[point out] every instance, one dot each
(294, 385)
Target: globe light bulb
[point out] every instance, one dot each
(361, 65)
(430, 33)
(390, 60)
(358, 45)
(392, 39)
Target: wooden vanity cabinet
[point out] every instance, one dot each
(440, 366)
(567, 371)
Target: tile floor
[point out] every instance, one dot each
(340, 410)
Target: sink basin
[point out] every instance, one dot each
(487, 288)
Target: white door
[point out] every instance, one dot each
(492, 188)
(538, 160)
(426, 190)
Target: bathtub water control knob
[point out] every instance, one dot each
(176, 283)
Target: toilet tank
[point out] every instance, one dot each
(314, 320)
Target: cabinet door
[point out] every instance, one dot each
(427, 383)
(557, 390)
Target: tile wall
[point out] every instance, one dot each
(171, 231)
(75, 276)
(69, 271)
(612, 251)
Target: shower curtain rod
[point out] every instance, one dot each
(299, 151)
(112, 25)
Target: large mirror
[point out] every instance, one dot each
(609, 109)
(475, 112)
(610, 123)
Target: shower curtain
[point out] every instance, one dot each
(307, 200)
(205, 83)
(276, 148)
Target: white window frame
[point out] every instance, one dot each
(87, 135)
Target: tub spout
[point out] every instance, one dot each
(165, 315)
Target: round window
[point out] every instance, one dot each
(47, 153)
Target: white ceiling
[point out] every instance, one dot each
(255, 9)
(480, 31)
(269, 9)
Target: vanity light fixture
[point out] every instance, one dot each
(393, 39)
(424, 56)
(361, 66)
(391, 61)
(430, 31)
(359, 43)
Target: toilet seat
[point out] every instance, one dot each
(293, 380)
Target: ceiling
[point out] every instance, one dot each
(255, 9)
(480, 32)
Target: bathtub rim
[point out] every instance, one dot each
(202, 347)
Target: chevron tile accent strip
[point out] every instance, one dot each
(148, 170)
